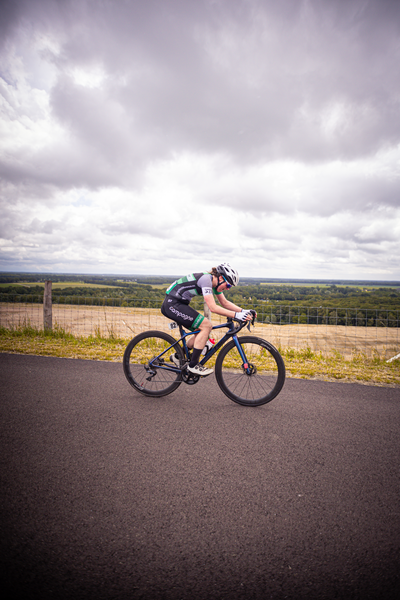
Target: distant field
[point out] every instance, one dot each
(125, 322)
(76, 284)
(161, 286)
(63, 284)
(328, 285)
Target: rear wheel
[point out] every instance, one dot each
(256, 381)
(147, 363)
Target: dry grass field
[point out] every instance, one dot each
(124, 323)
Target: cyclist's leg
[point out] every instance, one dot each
(190, 319)
(199, 340)
(193, 320)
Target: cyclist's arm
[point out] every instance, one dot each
(227, 304)
(227, 309)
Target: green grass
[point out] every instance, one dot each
(332, 366)
(303, 364)
(30, 340)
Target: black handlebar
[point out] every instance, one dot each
(242, 324)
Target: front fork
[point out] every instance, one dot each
(245, 365)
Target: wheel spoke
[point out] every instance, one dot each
(257, 384)
(147, 364)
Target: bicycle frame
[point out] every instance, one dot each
(248, 369)
(233, 331)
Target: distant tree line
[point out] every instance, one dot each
(275, 303)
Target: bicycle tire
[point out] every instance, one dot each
(266, 377)
(152, 381)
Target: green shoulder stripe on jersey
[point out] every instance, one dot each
(171, 287)
(184, 279)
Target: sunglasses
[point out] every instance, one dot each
(228, 285)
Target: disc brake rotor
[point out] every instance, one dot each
(250, 369)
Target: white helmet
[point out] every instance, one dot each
(230, 274)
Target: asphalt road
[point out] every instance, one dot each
(106, 494)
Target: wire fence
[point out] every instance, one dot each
(321, 329)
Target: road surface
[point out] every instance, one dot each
(106, 494)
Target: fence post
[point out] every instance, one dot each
(47, 306)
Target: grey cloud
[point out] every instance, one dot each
(376, 238)
(256, 82)
(363, 194)
(263, 120)
(10, 15)
(320, 193)
(135, 227)
(247, 201)
(48, 227)
(38, 174)
(177, 95)
(96, 121)
(348, 192)
(269, 237)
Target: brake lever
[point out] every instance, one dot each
(251, 322)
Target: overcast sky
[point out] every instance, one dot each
(166, 136)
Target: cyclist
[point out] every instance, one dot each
(211, 285)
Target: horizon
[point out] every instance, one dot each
(169, 276)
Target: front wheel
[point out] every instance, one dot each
(147, 364)
(257, 379)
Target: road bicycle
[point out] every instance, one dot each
(248, 369)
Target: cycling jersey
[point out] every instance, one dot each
(181, 292)
(195, 284)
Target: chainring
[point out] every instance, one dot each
(189, 378)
